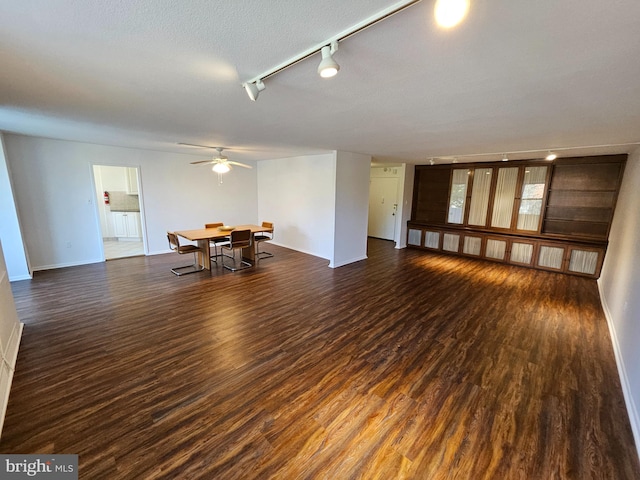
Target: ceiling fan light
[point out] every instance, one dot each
(254, 89)
(328, 66)
(220, 168)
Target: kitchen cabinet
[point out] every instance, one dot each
(132, 181)
(126, 224)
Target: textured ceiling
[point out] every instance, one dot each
(514, 77)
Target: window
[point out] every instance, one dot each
(533, 189)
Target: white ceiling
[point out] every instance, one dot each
(516, 76)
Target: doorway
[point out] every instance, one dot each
(117, 190)
(383, 207)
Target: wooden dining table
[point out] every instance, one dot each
(203, 235)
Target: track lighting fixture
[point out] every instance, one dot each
(528, 154)
(449, 13)
(328, 66)
(253, 89)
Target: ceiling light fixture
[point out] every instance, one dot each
(551, 156)
(505, 158)
(253, 89)
(450, 13)
(330, 46)
(576, 150)
(220, 168)
(328, 66)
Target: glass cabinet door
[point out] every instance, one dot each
(458, 196)
(531, 201)
(480, 196)
(504, 197)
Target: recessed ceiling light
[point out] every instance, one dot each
(449, 13)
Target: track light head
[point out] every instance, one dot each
(253, 89)
(328, 66)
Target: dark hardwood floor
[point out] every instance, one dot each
(406, 365)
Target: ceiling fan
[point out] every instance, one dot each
(221, 163)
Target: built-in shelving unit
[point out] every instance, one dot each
(548, 215)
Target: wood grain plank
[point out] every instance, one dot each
(405, 365)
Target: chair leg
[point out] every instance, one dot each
(243, 263)
(214, 258)
(187, 269)
(260, 255)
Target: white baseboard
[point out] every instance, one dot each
(20, 277)
(347, 262)
(66, 264)
(632, 410)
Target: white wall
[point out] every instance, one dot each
(56, 199)
(10, 232)
(352, 208)
(10, 334)
(298, 195)
(620, 288)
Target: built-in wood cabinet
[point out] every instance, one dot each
(549, 215)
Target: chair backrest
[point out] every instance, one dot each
(267, 235)
(213, 225)
(174, 244)
(240, 238)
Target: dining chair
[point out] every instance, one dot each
(238, 240)
(263, 237)
(216, 242)
(174, 244)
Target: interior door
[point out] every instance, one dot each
(383, 194)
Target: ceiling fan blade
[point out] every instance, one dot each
(239, 164)
(199, 146)
(202, 162)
